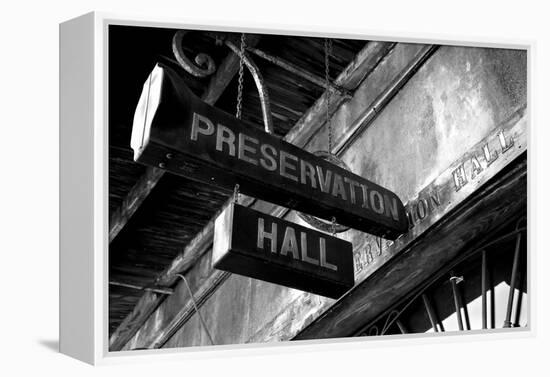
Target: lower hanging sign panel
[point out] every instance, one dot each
(264, 247)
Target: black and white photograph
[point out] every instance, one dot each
(275, 188)
(272, 187)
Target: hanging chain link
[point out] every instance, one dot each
(240, 100)
(241, 76)
(236, 194)
(328, 50)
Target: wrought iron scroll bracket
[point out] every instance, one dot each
(204, 64)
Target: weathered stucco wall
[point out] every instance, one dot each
(451, 104)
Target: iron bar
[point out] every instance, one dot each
(260, 84)
(507, 320)
(464, 307)
(294, 69)
(430, 311)
(392, 316)
(164, 291)
(402, 327)
(519, 300)
(453, 280)
(492, 302)
(483, 289)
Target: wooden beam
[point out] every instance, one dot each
(134, 199)
(164, 291)
(310, 123)
(367, 116)
(204, 291)
(145, 184)
(350, 78)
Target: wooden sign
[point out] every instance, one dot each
(253, 244)
(174, 130)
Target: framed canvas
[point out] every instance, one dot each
(225, 188)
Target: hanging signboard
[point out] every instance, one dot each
(253, 244)
(174, 130)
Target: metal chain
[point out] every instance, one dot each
(236, 194)
(241, 75)
(328, 49)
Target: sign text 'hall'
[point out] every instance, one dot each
(261, 246)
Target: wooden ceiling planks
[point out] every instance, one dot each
(178, 208)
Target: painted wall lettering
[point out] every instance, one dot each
(481, 159)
